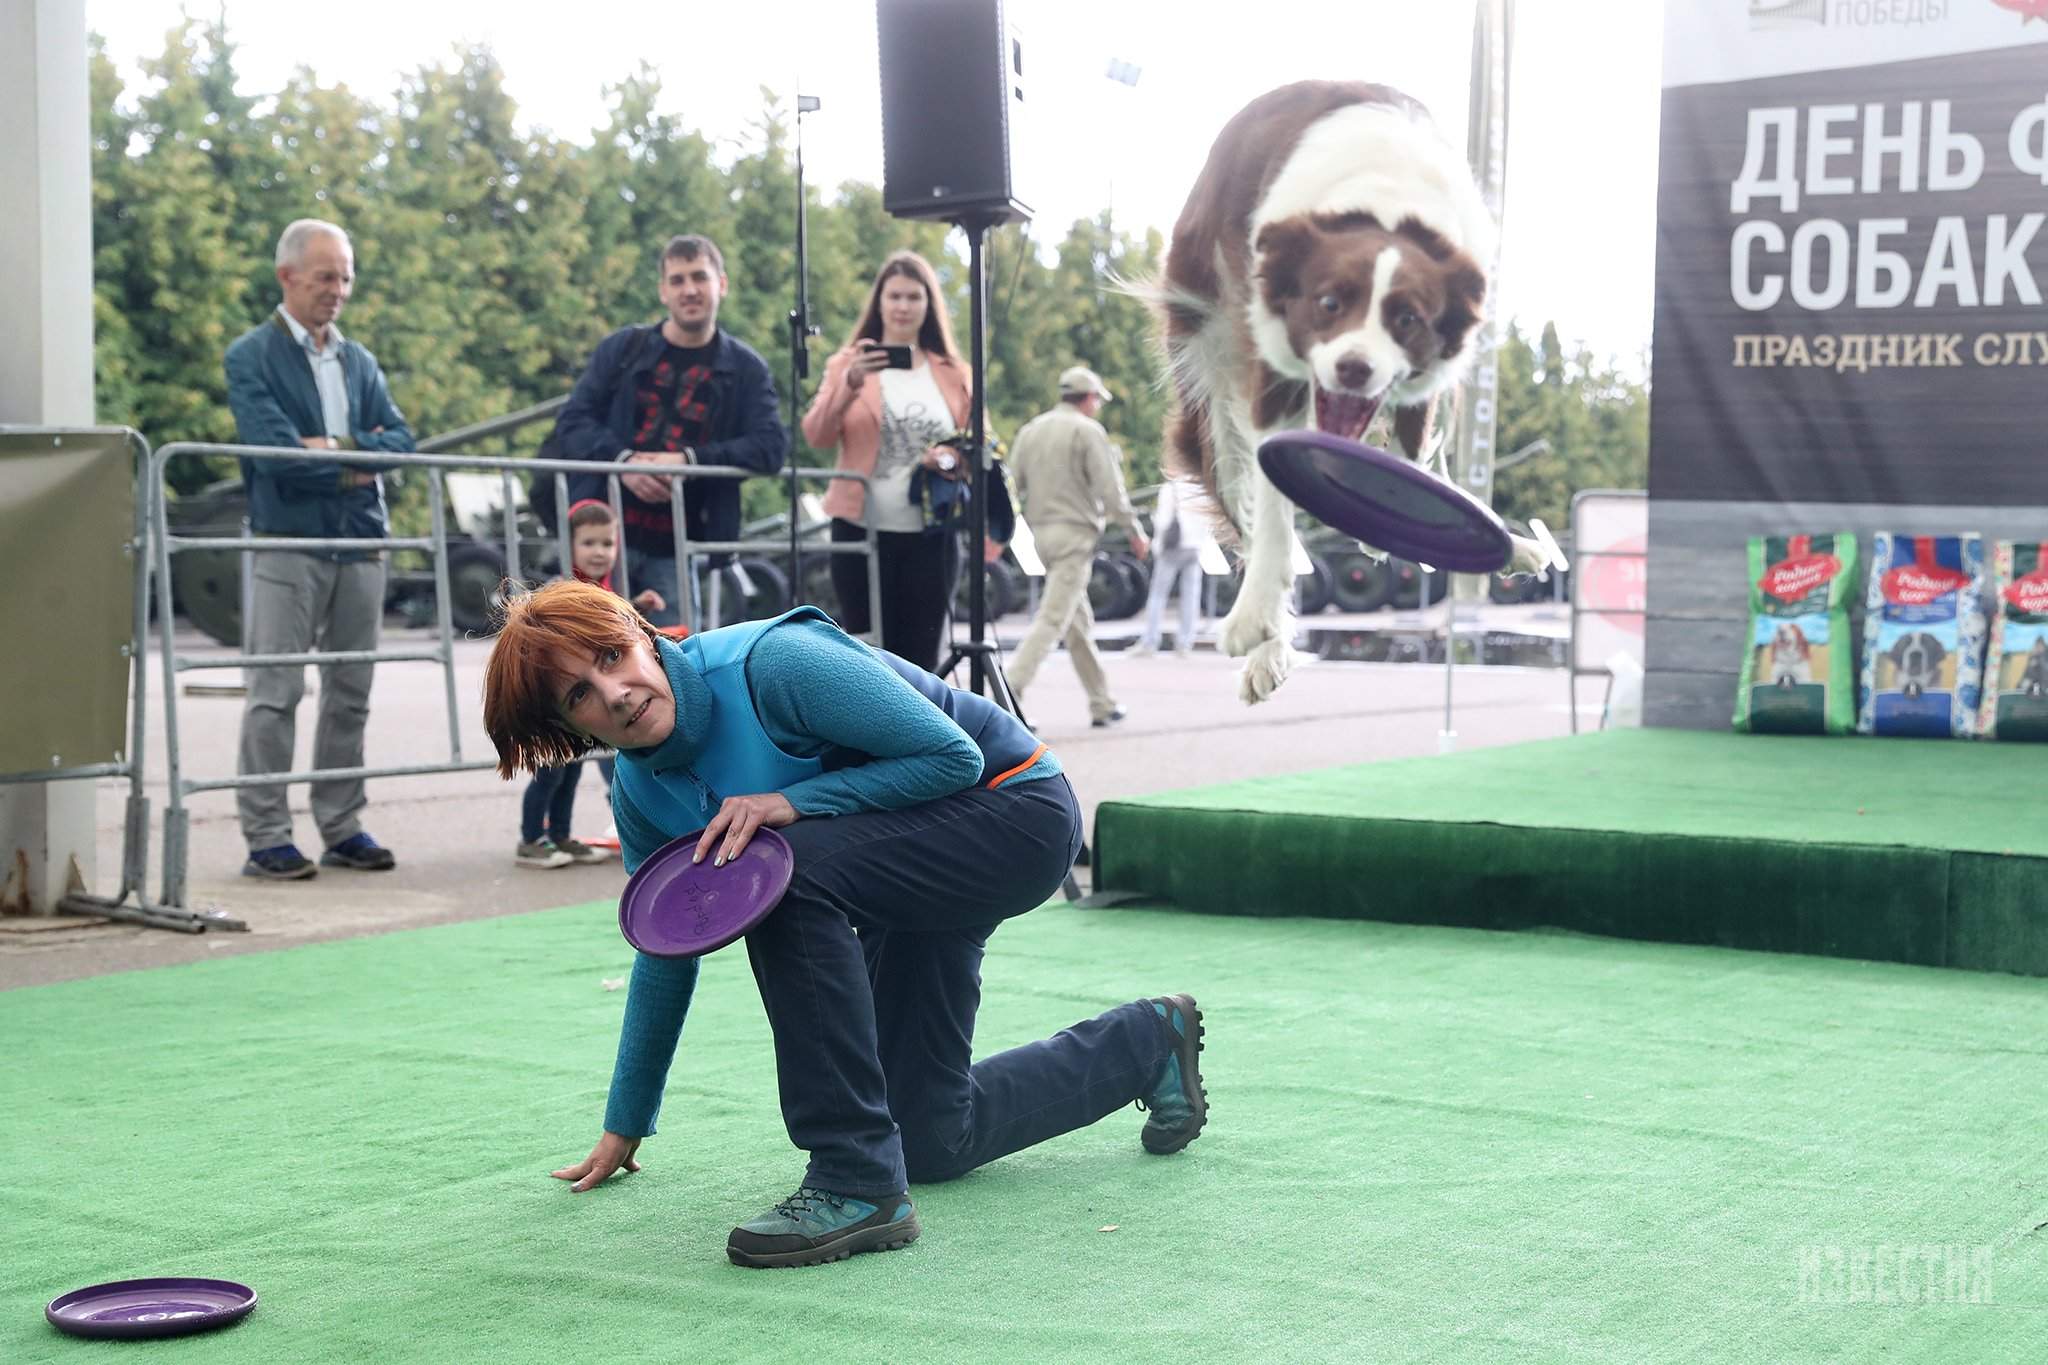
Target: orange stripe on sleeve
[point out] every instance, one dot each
(1001, 778)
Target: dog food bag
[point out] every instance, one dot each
(1923, 636)
(2016, 663)
(1799, 672)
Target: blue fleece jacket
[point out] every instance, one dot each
(889, 734)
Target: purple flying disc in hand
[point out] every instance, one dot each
(162, 1307)
(1388, 502)
(673, 907)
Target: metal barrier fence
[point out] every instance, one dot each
(131, 763)
(164, 545)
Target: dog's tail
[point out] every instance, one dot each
(1156, 292)
(1179, 318)
(1172, 307)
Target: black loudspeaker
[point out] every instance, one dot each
(952, 102)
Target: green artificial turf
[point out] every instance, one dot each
(1426, 1144)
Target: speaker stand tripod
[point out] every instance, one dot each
(981, 653)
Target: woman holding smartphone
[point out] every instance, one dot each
(890, 395)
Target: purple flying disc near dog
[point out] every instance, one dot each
(673, 907)
(161, 1307)
(1389, 503)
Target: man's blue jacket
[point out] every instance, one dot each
(746, 432)
(275, 402)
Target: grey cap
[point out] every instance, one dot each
(1079, 379)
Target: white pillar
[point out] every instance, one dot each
(46, 831)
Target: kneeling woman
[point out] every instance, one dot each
(921, 817)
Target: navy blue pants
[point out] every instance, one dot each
(870, 970)
(549, 803)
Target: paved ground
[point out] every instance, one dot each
(454, 833)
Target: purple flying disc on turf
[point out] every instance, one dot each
(1390, 503)
(161, 1307)
(673, 907)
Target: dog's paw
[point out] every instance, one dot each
(1528, 560)
(1246, 628)
(1263, 639)
(1265, 668)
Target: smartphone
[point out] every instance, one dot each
(899, 357)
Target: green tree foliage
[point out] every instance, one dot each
(113, 342)
(492, 256)
(1595, 418)
(1078, 310)
(169, 263)
(650, 177)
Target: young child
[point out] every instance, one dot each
(544, 838)
(594, 550)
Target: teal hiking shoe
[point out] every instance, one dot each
(812, 1227)
(1177, 1105)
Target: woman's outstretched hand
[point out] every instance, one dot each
(611, 1153)
(736, 821)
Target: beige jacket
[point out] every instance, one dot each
(1068, 473)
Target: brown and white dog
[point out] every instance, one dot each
(1791, 656)
(1330, 259)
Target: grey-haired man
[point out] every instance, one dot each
(294, 380)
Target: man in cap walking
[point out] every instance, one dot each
(1070, 481)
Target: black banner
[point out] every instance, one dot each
(1850, 271)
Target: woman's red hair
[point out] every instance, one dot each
(521, 684)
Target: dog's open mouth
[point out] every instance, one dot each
(1344, 414)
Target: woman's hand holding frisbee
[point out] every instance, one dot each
(736, 821)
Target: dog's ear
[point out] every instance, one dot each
(1434, 244)
(1464, 305)
(1283, 248)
